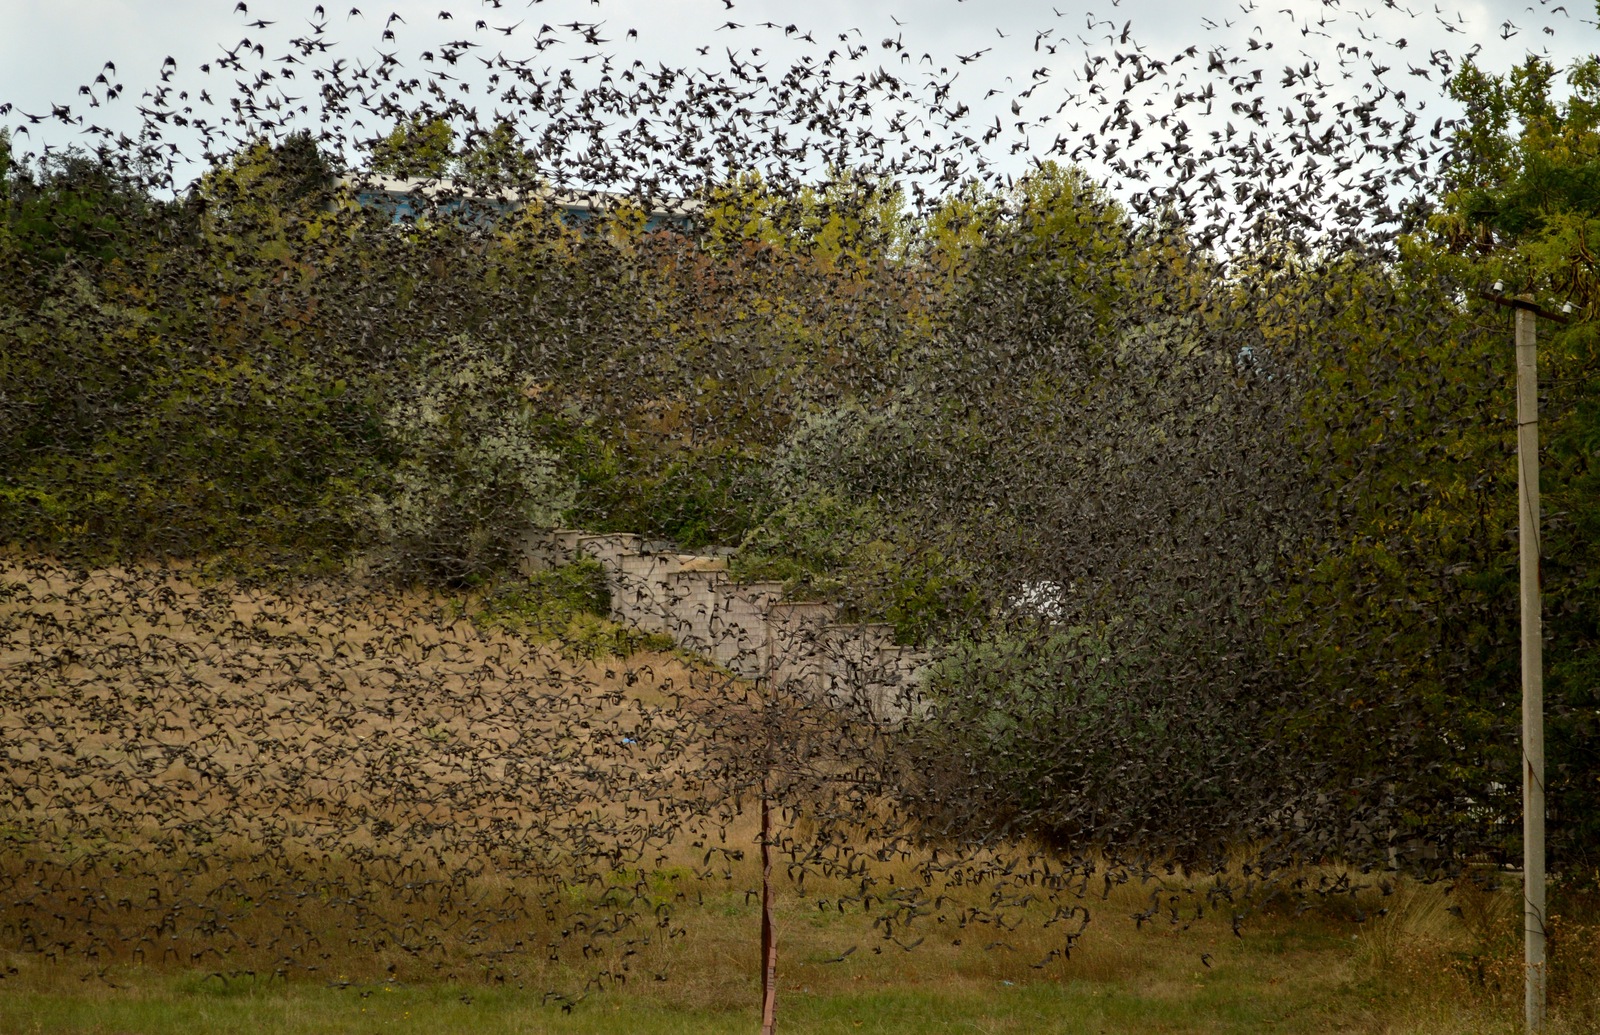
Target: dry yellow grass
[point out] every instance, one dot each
(192, 766)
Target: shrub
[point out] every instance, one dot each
(569, 604)
(694, 497)
(471, 479)
(839, 490)
(1075, 735)
(547, 600)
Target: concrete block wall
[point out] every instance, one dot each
(749, 628)
(694, 592)
(795, 631)
(864, 671)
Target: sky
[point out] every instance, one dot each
(1024, 74)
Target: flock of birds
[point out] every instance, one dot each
(354, 784)
(1213, 133)
(219, 778)
(229, 780)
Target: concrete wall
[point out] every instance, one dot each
(797, 647)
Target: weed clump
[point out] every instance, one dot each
(569, 604)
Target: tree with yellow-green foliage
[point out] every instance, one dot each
(420, 147)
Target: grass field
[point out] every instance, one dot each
(342, 809)
(1419, 969)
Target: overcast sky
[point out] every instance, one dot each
(989, 51)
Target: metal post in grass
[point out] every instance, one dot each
(1528, 550)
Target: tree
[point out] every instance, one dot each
(417, 148)
(846, 224)
(498, 158)
(471, 479)
(1399, 616)
(5, 165)
(267, 193)
(1393, 616)
(73, 205)
(1523, 204)
(292, 175)
(1046, 259)
(1524, 185)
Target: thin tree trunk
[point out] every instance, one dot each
(769, 943)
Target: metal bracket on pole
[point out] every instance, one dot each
(1524, 303)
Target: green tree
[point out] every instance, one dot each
(1047, 259)
(1523, 188)
(291, 176)
(5, 165)
(263, 198)
(1394, 616)
(73, 205)
(471, 479)
(847, 224)
(417, 148)
(498, 158)
(1523, 205)
(1401, 620)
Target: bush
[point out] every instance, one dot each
(839, 490)
(569, 604)
(1076, 736)
(119, 441)
(471, 479)
(694, 497)
(547, 600)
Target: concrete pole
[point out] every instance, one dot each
(1533, 878)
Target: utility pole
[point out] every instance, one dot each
(1528, 550)
(1533, 906)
